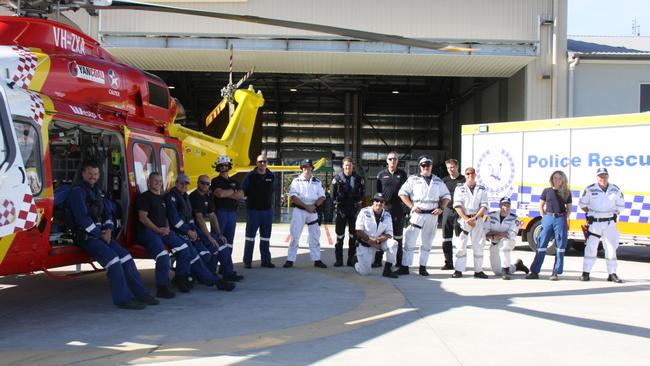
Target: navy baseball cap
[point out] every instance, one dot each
(505, 200)
(182, 178)
(424, 160)
(379, 197)
(306, 162)
(602, 171)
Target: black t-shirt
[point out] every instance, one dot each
(154, 205)
(451, 183)
(389, 184)
(201, 203)
(554, 203)
(227, 203)
(259, 190)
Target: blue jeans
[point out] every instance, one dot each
(262, 220)
(551, 227)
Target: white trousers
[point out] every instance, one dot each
(366, 255)
(426, 225)
(609, 235)
(298, 220)
(475, 237)
(500, 256)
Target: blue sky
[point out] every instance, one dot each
(608, 17)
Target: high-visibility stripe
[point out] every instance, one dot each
(541, 250)
(350, 235)
(179, 224)
(250, 239)
(264, 239)
(178, 249)
(126, 258)
(397, 237)
(108, 222)
(194, 260)
(229, 245)
(340, 236)
(162, 253)
(112, 262)
(560, 250)
(91, 227)
(204, 252)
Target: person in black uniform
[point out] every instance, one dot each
(389, 182)
(93, 226)
(449, 215)
(348, 189)
(259, 185)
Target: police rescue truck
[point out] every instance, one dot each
(516, 159)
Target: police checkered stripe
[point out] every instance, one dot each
(27, 214)
(7, 212)
(637, 208)
(37, 108)
(25, 68)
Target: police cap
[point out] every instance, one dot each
(379, 197)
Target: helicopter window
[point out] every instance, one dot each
(158, 95)
(29, 144)
(169, 166)
(143, 164)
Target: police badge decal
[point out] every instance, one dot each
(496, 171)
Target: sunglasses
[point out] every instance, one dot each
(380, 201)
(261, 161)
(204, 183)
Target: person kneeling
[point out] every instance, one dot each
(374, 228)
(501, 229)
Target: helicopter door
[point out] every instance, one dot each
(17, 208)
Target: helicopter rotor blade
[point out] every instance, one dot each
(215, 112)
(244, 78)
(345, 32)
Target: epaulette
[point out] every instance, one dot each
(591, 185)
(481, 187)
(511, 214)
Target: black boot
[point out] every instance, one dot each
(351, 260)
(423, 271)
(402, 271)
(448, 266)
(614, 278)
(520, 266)
(505, 273)
(387, 272)
(164, 292)
(223, 285)
(181, 283)
(338, 252)
(585, 276)
(447, 250)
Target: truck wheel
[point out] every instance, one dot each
(533, 233)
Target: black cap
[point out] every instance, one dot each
(602, 171)
(505, 200)
(379, 197)
(307, 162)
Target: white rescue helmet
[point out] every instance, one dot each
(223, 160)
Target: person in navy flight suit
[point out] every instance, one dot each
(426, 196)
(227, 193)
(602, 201)
(389, 181)
(179, 214)
(259, 185)
(501, 229)
(374, 231)
(93, 227)
(307, 194)
(450, 216)
(348, 189)
(154, 232)
(203, 210)
(554, 207)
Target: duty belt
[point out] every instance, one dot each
(602, 219)
(426, 211)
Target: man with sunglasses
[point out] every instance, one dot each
(307, 194)
(470, 203)
(203, 209)
(259, 185)
(374, 232)
(227, 193)
(426, 196)
(389, 181)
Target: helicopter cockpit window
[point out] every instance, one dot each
(29, 144)
(169, 166)
(143, 164)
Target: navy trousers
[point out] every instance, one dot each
(258, 220)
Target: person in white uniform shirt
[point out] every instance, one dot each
(501, 230)
(426, 196)
(602, 201)
(470, 202)
(307, 194)
(374, 232)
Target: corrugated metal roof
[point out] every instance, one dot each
(322, 62)
(588, 47)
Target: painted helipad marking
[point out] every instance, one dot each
(329, 237)
(381, 300)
